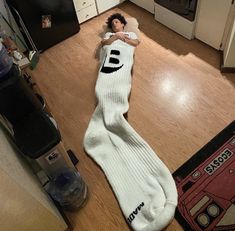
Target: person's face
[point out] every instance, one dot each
(117, 26)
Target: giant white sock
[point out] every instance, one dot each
(141, 182)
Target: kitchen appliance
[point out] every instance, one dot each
(178, 15)
(44, 23)
(32, 129)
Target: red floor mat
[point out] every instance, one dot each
(206, 186)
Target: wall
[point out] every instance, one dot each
(6, 27)
(23, 200)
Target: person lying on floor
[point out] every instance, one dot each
(116, 23)
(143, 185)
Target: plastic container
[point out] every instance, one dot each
(68, 189)
(5, 61)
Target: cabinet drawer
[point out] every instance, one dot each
(103, 5)
(81, 4)
(87, 13)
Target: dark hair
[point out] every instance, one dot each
(116, 16)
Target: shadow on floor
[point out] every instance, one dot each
(230, 77)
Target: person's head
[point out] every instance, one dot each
(116, 22)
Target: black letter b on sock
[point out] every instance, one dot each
(112, 60)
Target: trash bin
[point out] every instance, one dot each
(68, 188)
(33, 130)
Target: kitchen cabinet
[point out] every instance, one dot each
(229, 52)
(85, 9)
(103, 5)
(146, 4)
(228, 64)
(211, 21)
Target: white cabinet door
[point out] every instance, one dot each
(85, 9)
(211, 21)
(87, 13)
(229, 50)
(81, 4)
(146, 4)
(103, 5)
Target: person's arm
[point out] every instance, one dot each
(109, 40)
(132, 42)
(113, 37)
(119, 35)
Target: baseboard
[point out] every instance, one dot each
(227, 69)
(224, 69)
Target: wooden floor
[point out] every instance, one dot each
(179, 101)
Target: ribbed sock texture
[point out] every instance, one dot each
(142, 184)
